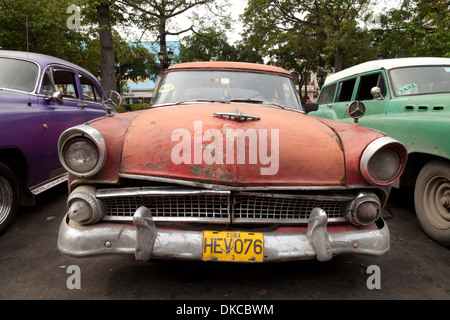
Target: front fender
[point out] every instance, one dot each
(324, 112)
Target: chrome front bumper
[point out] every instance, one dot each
(146, 241)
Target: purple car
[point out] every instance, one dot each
(40, 97)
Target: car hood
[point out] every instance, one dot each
(188, 142)
(420, 103)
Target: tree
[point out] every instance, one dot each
(209, 45)
(39, 26)
(105, 14)
(332, 24)
(416, 28)
(308, 36)
(157, 16)
(106, 45)
(135, 63)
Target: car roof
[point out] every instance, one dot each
(41, 59)
(386, 64)
(229, 65)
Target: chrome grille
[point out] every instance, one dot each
(201, 205)
(284, 208)
(168, 204)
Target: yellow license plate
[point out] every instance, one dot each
(233, 246)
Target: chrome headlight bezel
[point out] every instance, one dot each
(78, 134)
(373, 150)
(357, 215)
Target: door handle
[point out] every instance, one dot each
(82, 105)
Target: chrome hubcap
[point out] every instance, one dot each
(5, 199)
(437, 201)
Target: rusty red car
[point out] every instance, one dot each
(226, 166)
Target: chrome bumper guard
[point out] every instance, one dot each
(146, 241)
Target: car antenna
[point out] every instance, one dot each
(28, 57)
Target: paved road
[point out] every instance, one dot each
(31, 267)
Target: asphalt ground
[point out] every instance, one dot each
(32, 268)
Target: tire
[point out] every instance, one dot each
(9, 196)
(432, 200)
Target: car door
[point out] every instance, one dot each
(375, 105)
(91, 96)
(344, 95)
(70, 111)
(24, 125)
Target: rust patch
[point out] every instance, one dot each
(339, 142)
(157, 166)
(216, 172)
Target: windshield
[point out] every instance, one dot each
(420, 80)
(17, 74)
(227, 86)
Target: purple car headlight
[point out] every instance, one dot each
(82, 151)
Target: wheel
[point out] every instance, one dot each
(8, 197)
(432, 200)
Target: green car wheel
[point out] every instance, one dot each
(432, 200)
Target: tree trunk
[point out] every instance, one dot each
(163, 44)
(108, 66)
(338, 60)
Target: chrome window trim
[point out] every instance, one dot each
(78, 72)
(36, 82)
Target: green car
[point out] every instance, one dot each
(408, 99)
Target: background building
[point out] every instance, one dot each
(142, 91)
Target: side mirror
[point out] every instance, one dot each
(356, 110)
(54, 96)
(311, 106)
(111, 98)
(376, 93)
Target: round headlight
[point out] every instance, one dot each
(384, 165)
(383, 161)
(365, 209)
(82, 150)
(81, 155)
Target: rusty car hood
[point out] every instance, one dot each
(188, 142)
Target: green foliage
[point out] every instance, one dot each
(310, 35)
(416, 28)
(209, 45)
(303, 36)
(310, 30)
(132, 107)
(212, 45)
(48, 33)
(135, 63)
(45, 22)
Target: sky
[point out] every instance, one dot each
(236, 8)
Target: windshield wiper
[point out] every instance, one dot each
(247, 101)
(276, 105)
(255, 101)
(199, 100)
(243, 100)
(212, 101)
